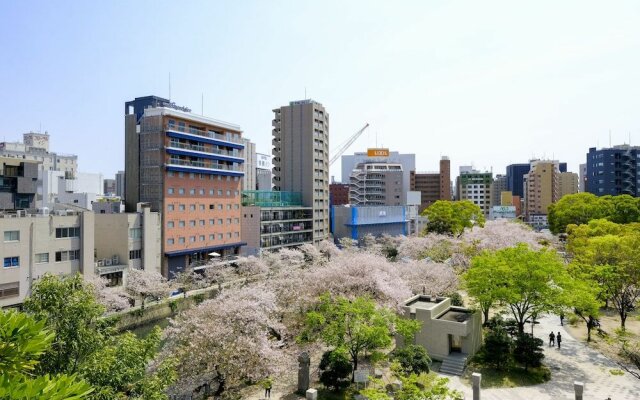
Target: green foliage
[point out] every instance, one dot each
(497, 349)
(173, 305)
(414, 387)
(198, 298)
(70, 309)
(456, 299)
(528, 282)
(412, 358)
(335, 369)
(452, 217)
(121, 364)
(528, 351)
(354, 325)
(23, 340)
(580, 208)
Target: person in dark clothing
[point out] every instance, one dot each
(559, 339)
(561, 319)
(552, 339)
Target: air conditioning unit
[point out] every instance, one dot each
(21, 213)
(115, 259)
(100, 263)
(107, 262)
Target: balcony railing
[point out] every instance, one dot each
(205, 149)
(203, 164)
(227, 136)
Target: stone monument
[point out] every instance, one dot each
(303, 372)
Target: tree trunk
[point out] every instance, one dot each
(589, 327)
(355, 367)
(520, 327)
(623, 319)
(485, 313)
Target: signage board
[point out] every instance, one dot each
(377, 152)
(361, 376)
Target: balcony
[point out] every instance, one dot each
(226, 137)
(203, 167)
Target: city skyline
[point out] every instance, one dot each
(485, 84)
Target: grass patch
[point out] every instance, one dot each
(514, 377)
(326, 394)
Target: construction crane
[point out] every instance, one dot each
(346, 145)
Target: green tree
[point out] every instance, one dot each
(353, 325)
(118, 369)
(452, 217)
(413, 358)
(70, 309)
(625, 208)
(528, 282)
(335, 368)
(582, 296)
(498, 348)
(528, 351)
(579, 208)
(414, 387)
(23, 340)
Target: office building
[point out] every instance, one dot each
(18, 183)
(272, 220)
(516, 174)
(356, 222)
(433, 186)
(120, 184)
(568, 184)
(264, 176)
(377, 184)
(582, 187)
(301, 158)
(57, 241)
(338, 194)
(109, 187)
(542, 187)
(498, 186)
(475, 186)
(383, 156)
(57, 188)
(613, 171)
(189, 168)
(249, 178)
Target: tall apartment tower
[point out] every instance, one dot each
(249, 179)
(189, 168)
(120, 184)
(376, 184)
(475, 186)
(301, 158)
(613, 171)
(569, 183)
(542, 187)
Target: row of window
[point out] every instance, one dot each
(202, 192)
(202, 207)
(42, 258)
(67, 232)
(135, 254)
(203, 176)
(202, 222)
(12, 236)
(202, 238)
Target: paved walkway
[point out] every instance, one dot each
(574, 362)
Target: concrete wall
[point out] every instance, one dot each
(251, 230)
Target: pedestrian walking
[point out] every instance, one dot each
(559, 339)
(561, 319)
(552, 339)
(267, 384)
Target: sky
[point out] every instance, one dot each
(486, 83)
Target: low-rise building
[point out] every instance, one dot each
(445, 329)
(338, 194)
(18, 183)
(356, 222)
(272, 220)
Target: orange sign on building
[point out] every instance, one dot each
(377, 152)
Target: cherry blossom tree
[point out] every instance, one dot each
(112, 298)
(146, 284)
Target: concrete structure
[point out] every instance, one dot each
(433, 186)
(18, 183)
(613, 171)
(249, 178)
(57, 188)
(569, 183)
(582, 187)
(125, 241)
(377, 184)
(301, 158)
(109, 187)
(502, 212)
(60, 241)
(338, 194)
(108, 205)
(475, 186)
(408, 162)
(445, 329)
(263, 172)
(120, 185)
(542, 187)
(498, 186)
(187, 167)
(356, 222)
(272, 220)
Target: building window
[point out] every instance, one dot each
(11, 262)
(212, 237)
(192, 191)
(170, 241)
(192, 223)
(9, 290)
(135, 233)
(67, 232)
(192, 239)
(220, 236)
(220, 221)
(135, 254)
(42, 258)
(220, 206)
(228, 192)
(201, 207)
(212, 222)
(11, 236)
(192, 207)
(170, 207)
(67, 255)
(219, 190)
(202, 238)
(181, 224)
(229, 235)
(201, 191)
(236, 220)
(181, 207)
(228, 221)
(212, 206)
(181, 240)
(211, 191)
(228, 206)
(170, 190)
(181, 191)
(236, 234)
(202, 222)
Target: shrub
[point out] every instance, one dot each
(528, 351)
(412, 358)
(497, 349)
(335, 368)
(198, 298)
(456, 299)
(173, 305)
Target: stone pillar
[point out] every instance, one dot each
(303, 372)
(311, 394)
(475, 383)
(578, 388)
